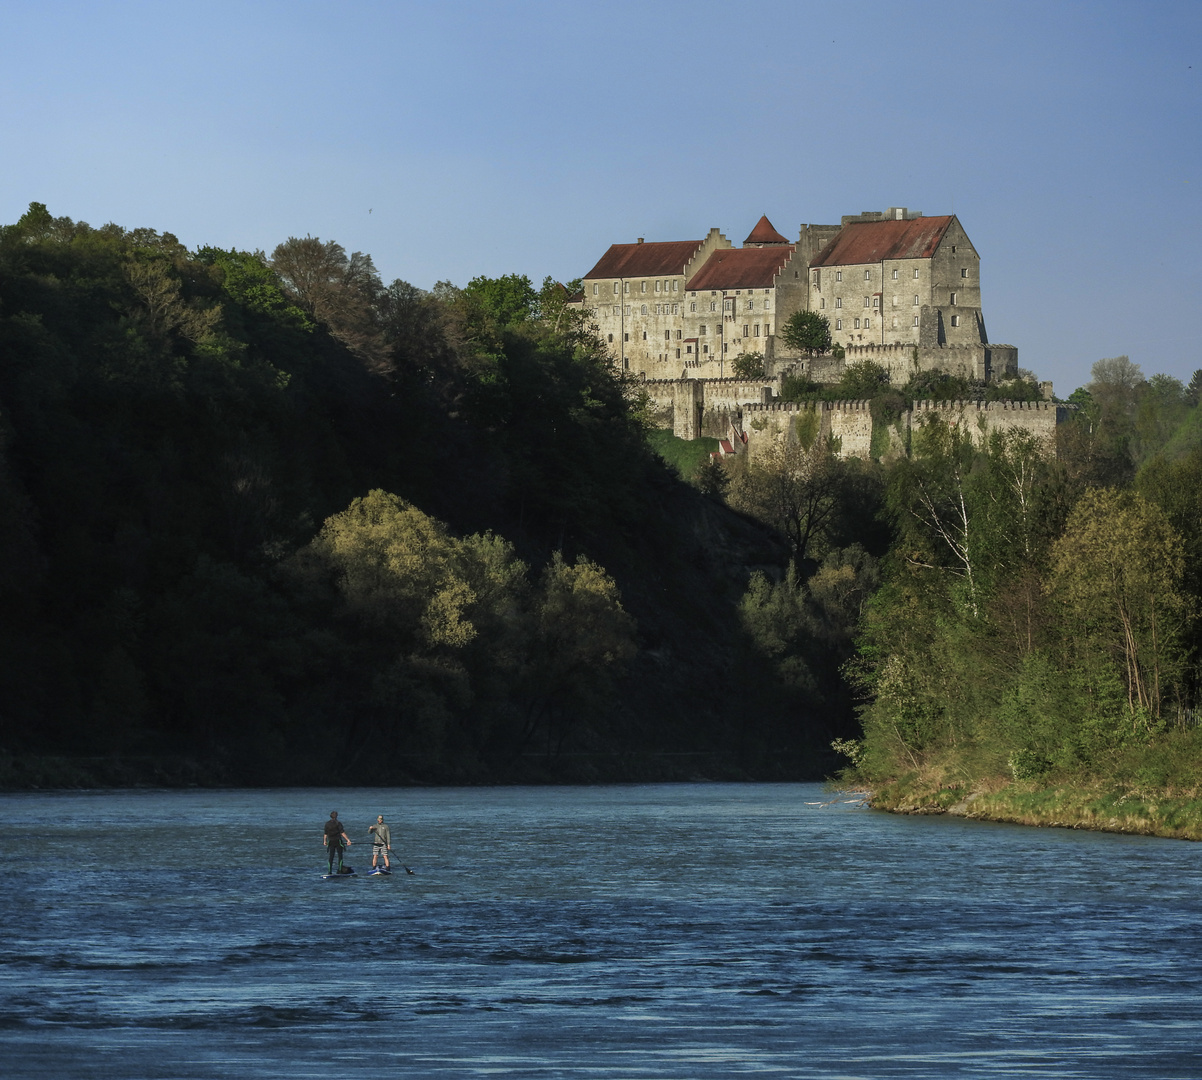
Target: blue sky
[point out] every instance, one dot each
(471, 137)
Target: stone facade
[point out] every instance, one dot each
(892, 281)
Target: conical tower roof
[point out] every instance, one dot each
(764, 233)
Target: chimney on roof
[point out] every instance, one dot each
(640, 240)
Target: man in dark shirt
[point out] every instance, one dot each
(334, 838)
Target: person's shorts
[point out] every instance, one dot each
(377, 850)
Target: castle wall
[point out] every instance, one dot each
(984, 363)
(851, 421)
(982, 418)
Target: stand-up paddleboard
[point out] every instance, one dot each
(347, 872)
(378, 871)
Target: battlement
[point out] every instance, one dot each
(988, 406)
(799, 406)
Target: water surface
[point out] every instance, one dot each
(691, 931)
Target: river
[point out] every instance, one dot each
(625, 932)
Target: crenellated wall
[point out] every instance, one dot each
(981, 418)
(978, 361)
(710, 407)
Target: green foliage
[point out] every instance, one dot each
(861, 380)
(747, 366)
(685, 456)
(798, 387)
(808, 331)
(507, 300)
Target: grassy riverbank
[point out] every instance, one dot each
(1136, 797)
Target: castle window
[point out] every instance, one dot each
(767, 303)
(867, 275)
(677, 354)
(595, 289)
(677, 335)
(675, 309)
(817, 279)
(867, 302)
(688, 348)
(955, 320)
(625, 337)
(692, 307)
(915, 320)
(750, 305)
(757, 329)
(667, 335)
(705, 350)
(627, 307)
(617, 310)
(626, 287)
(894, 322)
(838, 275)
(657, 286)
(611, 338)
(644, 310)
(644, 288)
(867, 324)
(953, 299)
(916, 301)
(702, 328)
(876, 301)
(916, 271)
(857, 324)
(644, 335)
(838, 324)
(746, 330)
(953, 249)
(838, 301)
(964, 271)
(894, 275)
(895, 301)
(713, 305)
(767, 329)
(674, 284)
(822, 302)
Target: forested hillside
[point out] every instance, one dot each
(268, 519)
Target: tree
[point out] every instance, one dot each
(748, 366)
(807, 331)
(793, 488)
(508, 300)
(335, 289)
(862, 380)
(1118, 569)
(1193, 392)
(582, 633)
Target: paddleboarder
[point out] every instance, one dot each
(381, 842)
(335, 839)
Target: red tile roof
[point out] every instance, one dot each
(764, 233)
(876, 241)
(741, 268)
(645, 260)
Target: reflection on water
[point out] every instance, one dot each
(627, 932)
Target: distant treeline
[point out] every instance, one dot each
(273, 515)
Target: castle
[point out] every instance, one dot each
(896, 288)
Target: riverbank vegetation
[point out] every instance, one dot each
(1035, 641)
